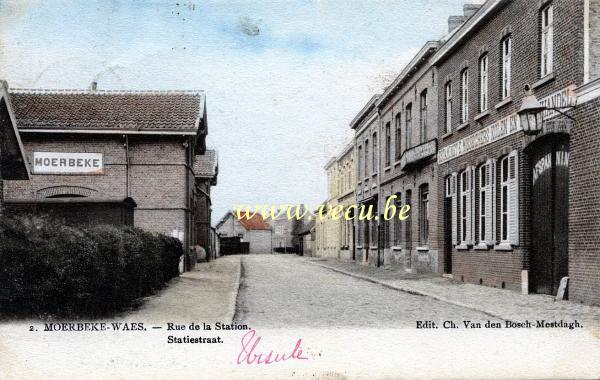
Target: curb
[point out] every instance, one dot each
(234, 294)
(414, 292)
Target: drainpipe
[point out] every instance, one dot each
(127, 194)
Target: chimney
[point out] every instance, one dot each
(470, 9)
(454, 22)
(94, 86)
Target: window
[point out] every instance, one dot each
(484, 192)
(509, 199)
(398, 137)
(466, 206)
(448, 107)
(375, 168)
(366, 158)
(360, 176)
(464, 187)
(408, 119)
(464, 98)
(388, 144)
(506, 67)
(397, 221)
(451, 195)
(424, 214)
(423, 116)
(408, 221)
(547, 40)
(483, 83)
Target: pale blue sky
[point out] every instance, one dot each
(282, 79)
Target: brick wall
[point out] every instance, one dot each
(520, 19)
(394, 180)
(158, 174)
(584, 206)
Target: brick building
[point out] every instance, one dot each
(408, 175)
(366, 126)
(12, 154)
(94, 153)
(206, 170)
(514, 213)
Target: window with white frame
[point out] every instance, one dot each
(509, 199)
(451, 194)
(448, 92)
(506, 66)
(485, 213)
(464, 202)
(464, 98)
(547, 35)
(483, 83)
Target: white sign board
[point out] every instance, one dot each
(67, 163)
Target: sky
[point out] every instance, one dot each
(283, 79)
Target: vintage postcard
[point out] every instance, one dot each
(302, 189)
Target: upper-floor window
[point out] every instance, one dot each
(366, 158)
(375, 169)
(423, 116)
(424, 214)
(506, 67)
(359, 162)
(448, 93)
(408, 120)
(547, 39)
(483, 83)
(464, 98)
(388, 144)
(398, 136)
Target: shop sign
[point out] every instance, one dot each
(498, 130)
(67, 163)
(505, 127)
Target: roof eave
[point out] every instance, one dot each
(364, 111)
(462, 32)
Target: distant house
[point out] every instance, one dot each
(306, 239)
(12, 157)
(255, 231)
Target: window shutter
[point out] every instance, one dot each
(454, 200)
(472, 200)
(513, 197)
(490, 204)
(469, 207)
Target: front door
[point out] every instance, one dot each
(549, 216)
(448, 235)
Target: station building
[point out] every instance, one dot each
(117, 157)
(12, 154)
(518, 204)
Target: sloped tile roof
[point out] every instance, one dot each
(108, 110)
(256, 222)
(206, 165)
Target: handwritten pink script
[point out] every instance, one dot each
(250, 353)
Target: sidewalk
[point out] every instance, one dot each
(498, 303)
(206, 294)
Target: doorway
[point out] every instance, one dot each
(549, 160)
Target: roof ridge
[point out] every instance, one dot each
(43, 91)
